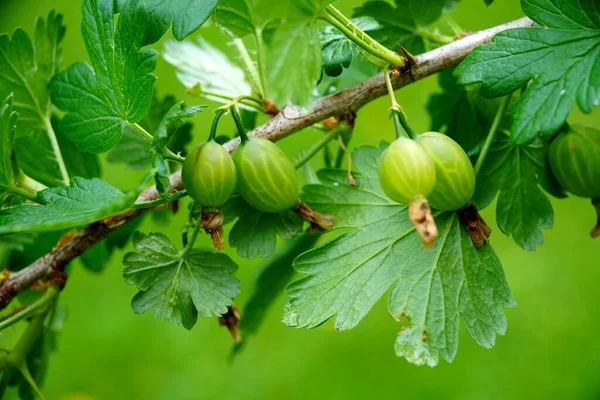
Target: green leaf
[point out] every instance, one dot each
(456, 112)
(17, 242)
(513, 173)
(38, 357)
(132, 150)
(82, 202)
(186, 16)
(178, 286)
(135, 150)
(9, 171)
(255, 232)
(273, 278)
(97, 258)
(404, 24)
(27, 66)
(161, 177)
(173, 120)
(295, 40)
(380, 250)
(236, 17)
(337, 50)
(85, 165)
(561, 59)
(206, 69)
(118, 90)
(37, 157)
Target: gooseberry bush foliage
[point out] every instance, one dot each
(400, 219)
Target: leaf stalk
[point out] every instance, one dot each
(492, 133)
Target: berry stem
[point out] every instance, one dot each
(192, 239)
(400, 120)
(492, 133)
(238, 123)
(213, 129)
(38, 307)
(314, 149)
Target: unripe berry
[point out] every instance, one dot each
(209, 174)
(406, 171)
(266, 177)
(575, 160)
(455, 178)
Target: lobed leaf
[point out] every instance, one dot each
(457, 112)
(514, 174)
(178, 286)
(295, 40)
(433, 289)
(9, 169)
(237, 18)
(337, 51)
(117, 91)
(255, 232)
(27, 66)
(404, 24)
(207, 70)
(560, 61)
(82, 202)
(135, 151)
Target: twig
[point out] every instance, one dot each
(290, 120)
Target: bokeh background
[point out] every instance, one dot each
(551, 349)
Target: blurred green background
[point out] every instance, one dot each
(551, 350)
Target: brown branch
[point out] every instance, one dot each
(290, 120)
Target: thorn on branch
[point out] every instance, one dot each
(410, 58)
(477, 228)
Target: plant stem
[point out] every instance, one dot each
(166, 154)
(492, 133)
(57, 152)
(141, 131)
(213, 128)
(18, 355)
(261, 62)
(435, 37)
(398, 115)
(246, 102)
(452, 23)
(360, 38)
(24, 191)
(158, 202)
(169, 155)
(31, 183)
(318, 145)
(255, 77)
(192, 239)
(44, 301)
(238, 123)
